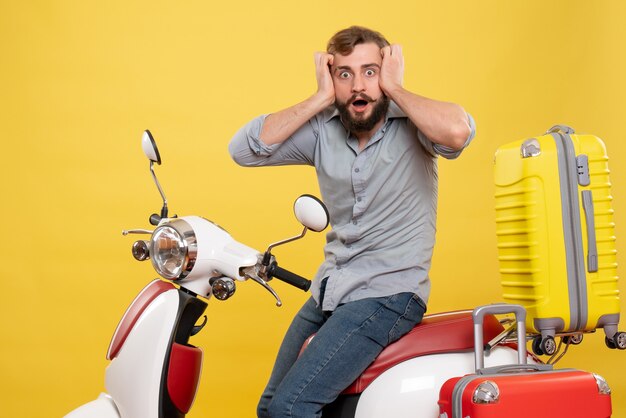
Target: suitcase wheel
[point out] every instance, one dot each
(618, 341)
(543, 346)
(573, 339)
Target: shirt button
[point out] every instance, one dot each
(354, 222)
(358, 199)
(356, 170)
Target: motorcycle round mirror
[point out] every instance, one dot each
(150, 148)
(311, 212)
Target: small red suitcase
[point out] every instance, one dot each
(522, 390)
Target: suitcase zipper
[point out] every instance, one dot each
(568, 173)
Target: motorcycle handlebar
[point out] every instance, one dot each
(290, 278)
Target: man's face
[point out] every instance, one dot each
(358, 96)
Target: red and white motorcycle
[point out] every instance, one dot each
(154, 371)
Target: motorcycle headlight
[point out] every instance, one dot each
(173, 249)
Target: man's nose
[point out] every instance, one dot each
(358, 84)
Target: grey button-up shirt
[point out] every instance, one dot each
(382, 200)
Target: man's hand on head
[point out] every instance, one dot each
(325, 86)
(392, 69)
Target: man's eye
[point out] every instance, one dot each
(370, 72)
(344, 74)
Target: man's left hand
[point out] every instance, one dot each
(392, 69)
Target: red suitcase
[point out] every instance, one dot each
(522, 390)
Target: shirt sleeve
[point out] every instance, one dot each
(447, 152)
(247, 149)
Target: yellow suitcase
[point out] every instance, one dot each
(556, 236)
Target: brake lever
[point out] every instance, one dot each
(136, 231)
(250, 273)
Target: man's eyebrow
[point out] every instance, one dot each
(347, 67)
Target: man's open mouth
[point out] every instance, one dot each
(360, 104)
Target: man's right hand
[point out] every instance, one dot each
(279, 126)
(325, 86)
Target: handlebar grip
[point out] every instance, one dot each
(290, 278)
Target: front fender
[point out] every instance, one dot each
(103, 407)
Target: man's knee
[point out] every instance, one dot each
(261, 413)
(276, 409)
(262, 409)
(284, 406)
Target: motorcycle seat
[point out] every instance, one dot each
(437, 333)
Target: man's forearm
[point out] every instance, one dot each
(442, 122)
(281, 125)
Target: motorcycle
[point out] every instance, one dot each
(154, 371)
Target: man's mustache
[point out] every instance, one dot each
(360, 96)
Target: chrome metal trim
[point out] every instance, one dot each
(141, 250)
(223, 288)
(530, 148)
(285, 241)
(190, 245)
(156, 181)
(603, 386)
(251, 273)
(486, 393)
(136, 231)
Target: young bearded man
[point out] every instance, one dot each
(374, 146)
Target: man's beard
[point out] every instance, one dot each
(363, 124)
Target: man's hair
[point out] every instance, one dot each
(344, 41)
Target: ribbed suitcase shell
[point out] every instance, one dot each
(543, 237)
(545, 394)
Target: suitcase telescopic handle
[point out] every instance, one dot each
(560, 128)
(499, 309)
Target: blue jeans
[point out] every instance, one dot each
(347, 341)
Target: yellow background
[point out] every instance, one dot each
(79, 81)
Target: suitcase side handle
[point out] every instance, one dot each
(560, 128)
(498, 309)
(592, 248)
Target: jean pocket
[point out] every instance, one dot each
(413, 314)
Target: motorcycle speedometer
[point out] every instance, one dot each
(173, 249)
